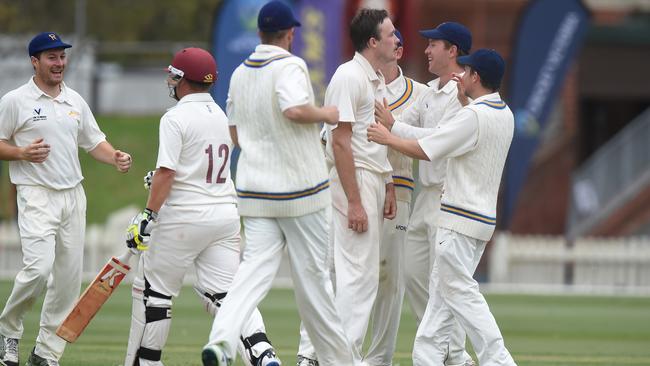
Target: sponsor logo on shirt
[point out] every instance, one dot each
(74, 114)
(38, 116)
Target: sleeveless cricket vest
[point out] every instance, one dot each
(469, 201)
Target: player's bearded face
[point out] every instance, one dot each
(49, 66)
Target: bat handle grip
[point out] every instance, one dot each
(124, 258)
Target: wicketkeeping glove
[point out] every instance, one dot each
(138, 233)
(148, 178)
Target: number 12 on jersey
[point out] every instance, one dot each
(223, 151)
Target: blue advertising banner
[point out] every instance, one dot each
(234, 37)
(549, 36)
(319, 40)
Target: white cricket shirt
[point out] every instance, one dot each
(65, 122)
(195, 143)
(432, 108)
(353, 89)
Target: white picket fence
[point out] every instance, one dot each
(550, 265)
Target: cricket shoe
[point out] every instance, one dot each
(304, 361)
(36, 360)
(269, 358)
(8, 351)
(213, 355)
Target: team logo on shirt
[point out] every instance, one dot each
(38, 116)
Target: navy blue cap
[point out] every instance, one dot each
(488, 63)
(453, 32)
(276, 16)
(399, 36)
(45, 41)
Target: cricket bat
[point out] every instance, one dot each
(94, 297)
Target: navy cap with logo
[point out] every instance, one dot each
(488, 64)
(401, 39)
(276, 16)
(452, 32)
(45, 41)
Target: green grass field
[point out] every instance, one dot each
(539, 330)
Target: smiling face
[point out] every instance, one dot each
(439, 57)
(49, 66)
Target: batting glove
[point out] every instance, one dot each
(138, 233)
(148, 178)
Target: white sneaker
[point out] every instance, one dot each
(213, 355)
(304, 361)
(8, 351)
(269, 359)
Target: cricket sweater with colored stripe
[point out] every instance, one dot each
(401, 93)
(281, 170)
(469, 200)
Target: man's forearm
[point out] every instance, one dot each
(408, 147)
(344, 162)
(306, 113)
(103, 153)
(160, 188)
(9, 152)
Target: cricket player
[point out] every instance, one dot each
(401, 92)
(190, 219)
(42, 126)
(432, 109)
(362, 189)
(475, 142)
(283, 192)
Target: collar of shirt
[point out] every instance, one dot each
(492, 96)
(398, 83)
(367, 68)
(196, 97)
(36, 92)
(447, 89)
(264, 51)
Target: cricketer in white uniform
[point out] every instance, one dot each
(432, 109)
(191, 217)
(362, 189)
(283, 192)
(401, 92)
(42, 126)
(476, 142)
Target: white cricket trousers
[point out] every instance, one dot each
(52, 228)
(457, 297)
(205, 236)
(419, 254)
(356, 255)
(387, 309)
(306, 241)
